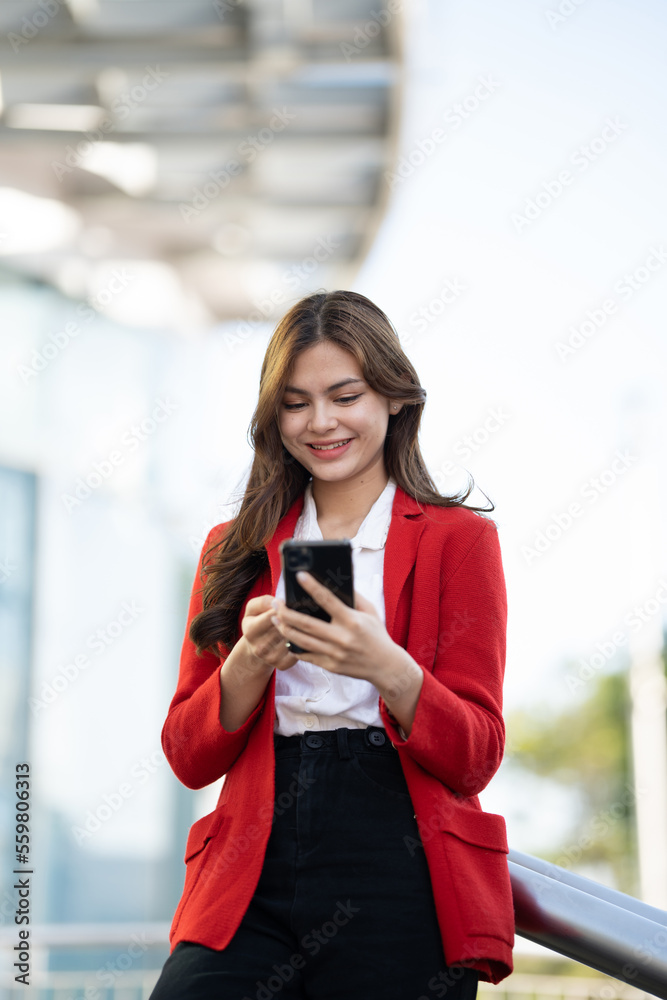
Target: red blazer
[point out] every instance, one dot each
(445, 603)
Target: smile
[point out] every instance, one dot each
(329, 447)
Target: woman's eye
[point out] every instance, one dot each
(341, 399)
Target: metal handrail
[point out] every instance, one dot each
(590, 923)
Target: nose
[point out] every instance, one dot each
(322, 417)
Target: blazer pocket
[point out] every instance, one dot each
(201, 832)
(476, 827)
(475, 848)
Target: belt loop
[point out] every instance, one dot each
(344, 751)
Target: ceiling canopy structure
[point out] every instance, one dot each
(221, 156)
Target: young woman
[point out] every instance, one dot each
(348, 855)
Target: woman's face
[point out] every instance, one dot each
(328, 402)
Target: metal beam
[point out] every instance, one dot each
(590, 923)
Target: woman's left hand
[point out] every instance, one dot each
(354, 642)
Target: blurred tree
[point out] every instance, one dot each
(589, 749)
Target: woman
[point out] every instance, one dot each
(348, 855)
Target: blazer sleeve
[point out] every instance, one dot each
(458, 733)
(197, 747)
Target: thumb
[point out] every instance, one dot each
(257, 605)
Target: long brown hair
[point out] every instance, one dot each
(276, 479)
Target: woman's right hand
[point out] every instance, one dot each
(245, 673)
(265, 643)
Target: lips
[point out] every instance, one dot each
(330, 446)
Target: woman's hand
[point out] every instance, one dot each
(265, 642)
(354, 642)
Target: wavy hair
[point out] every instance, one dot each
(276, 479)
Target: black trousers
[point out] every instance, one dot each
(344, 908)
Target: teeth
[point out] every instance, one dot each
(328, 447)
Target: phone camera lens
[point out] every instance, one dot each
(298, 559)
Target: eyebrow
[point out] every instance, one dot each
(332, 388)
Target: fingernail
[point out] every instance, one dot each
(275, 620)
(274, 603)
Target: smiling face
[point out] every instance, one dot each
(328, 402)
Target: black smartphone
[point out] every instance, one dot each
(330, 562)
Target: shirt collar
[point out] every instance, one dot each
(373, 531)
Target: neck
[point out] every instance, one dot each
(348, 501)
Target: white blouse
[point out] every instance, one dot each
(309, 697)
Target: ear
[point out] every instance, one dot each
(395, 406)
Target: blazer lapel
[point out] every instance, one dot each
(400, 551)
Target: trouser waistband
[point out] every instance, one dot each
(345, 741)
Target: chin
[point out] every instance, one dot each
(331, 475)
